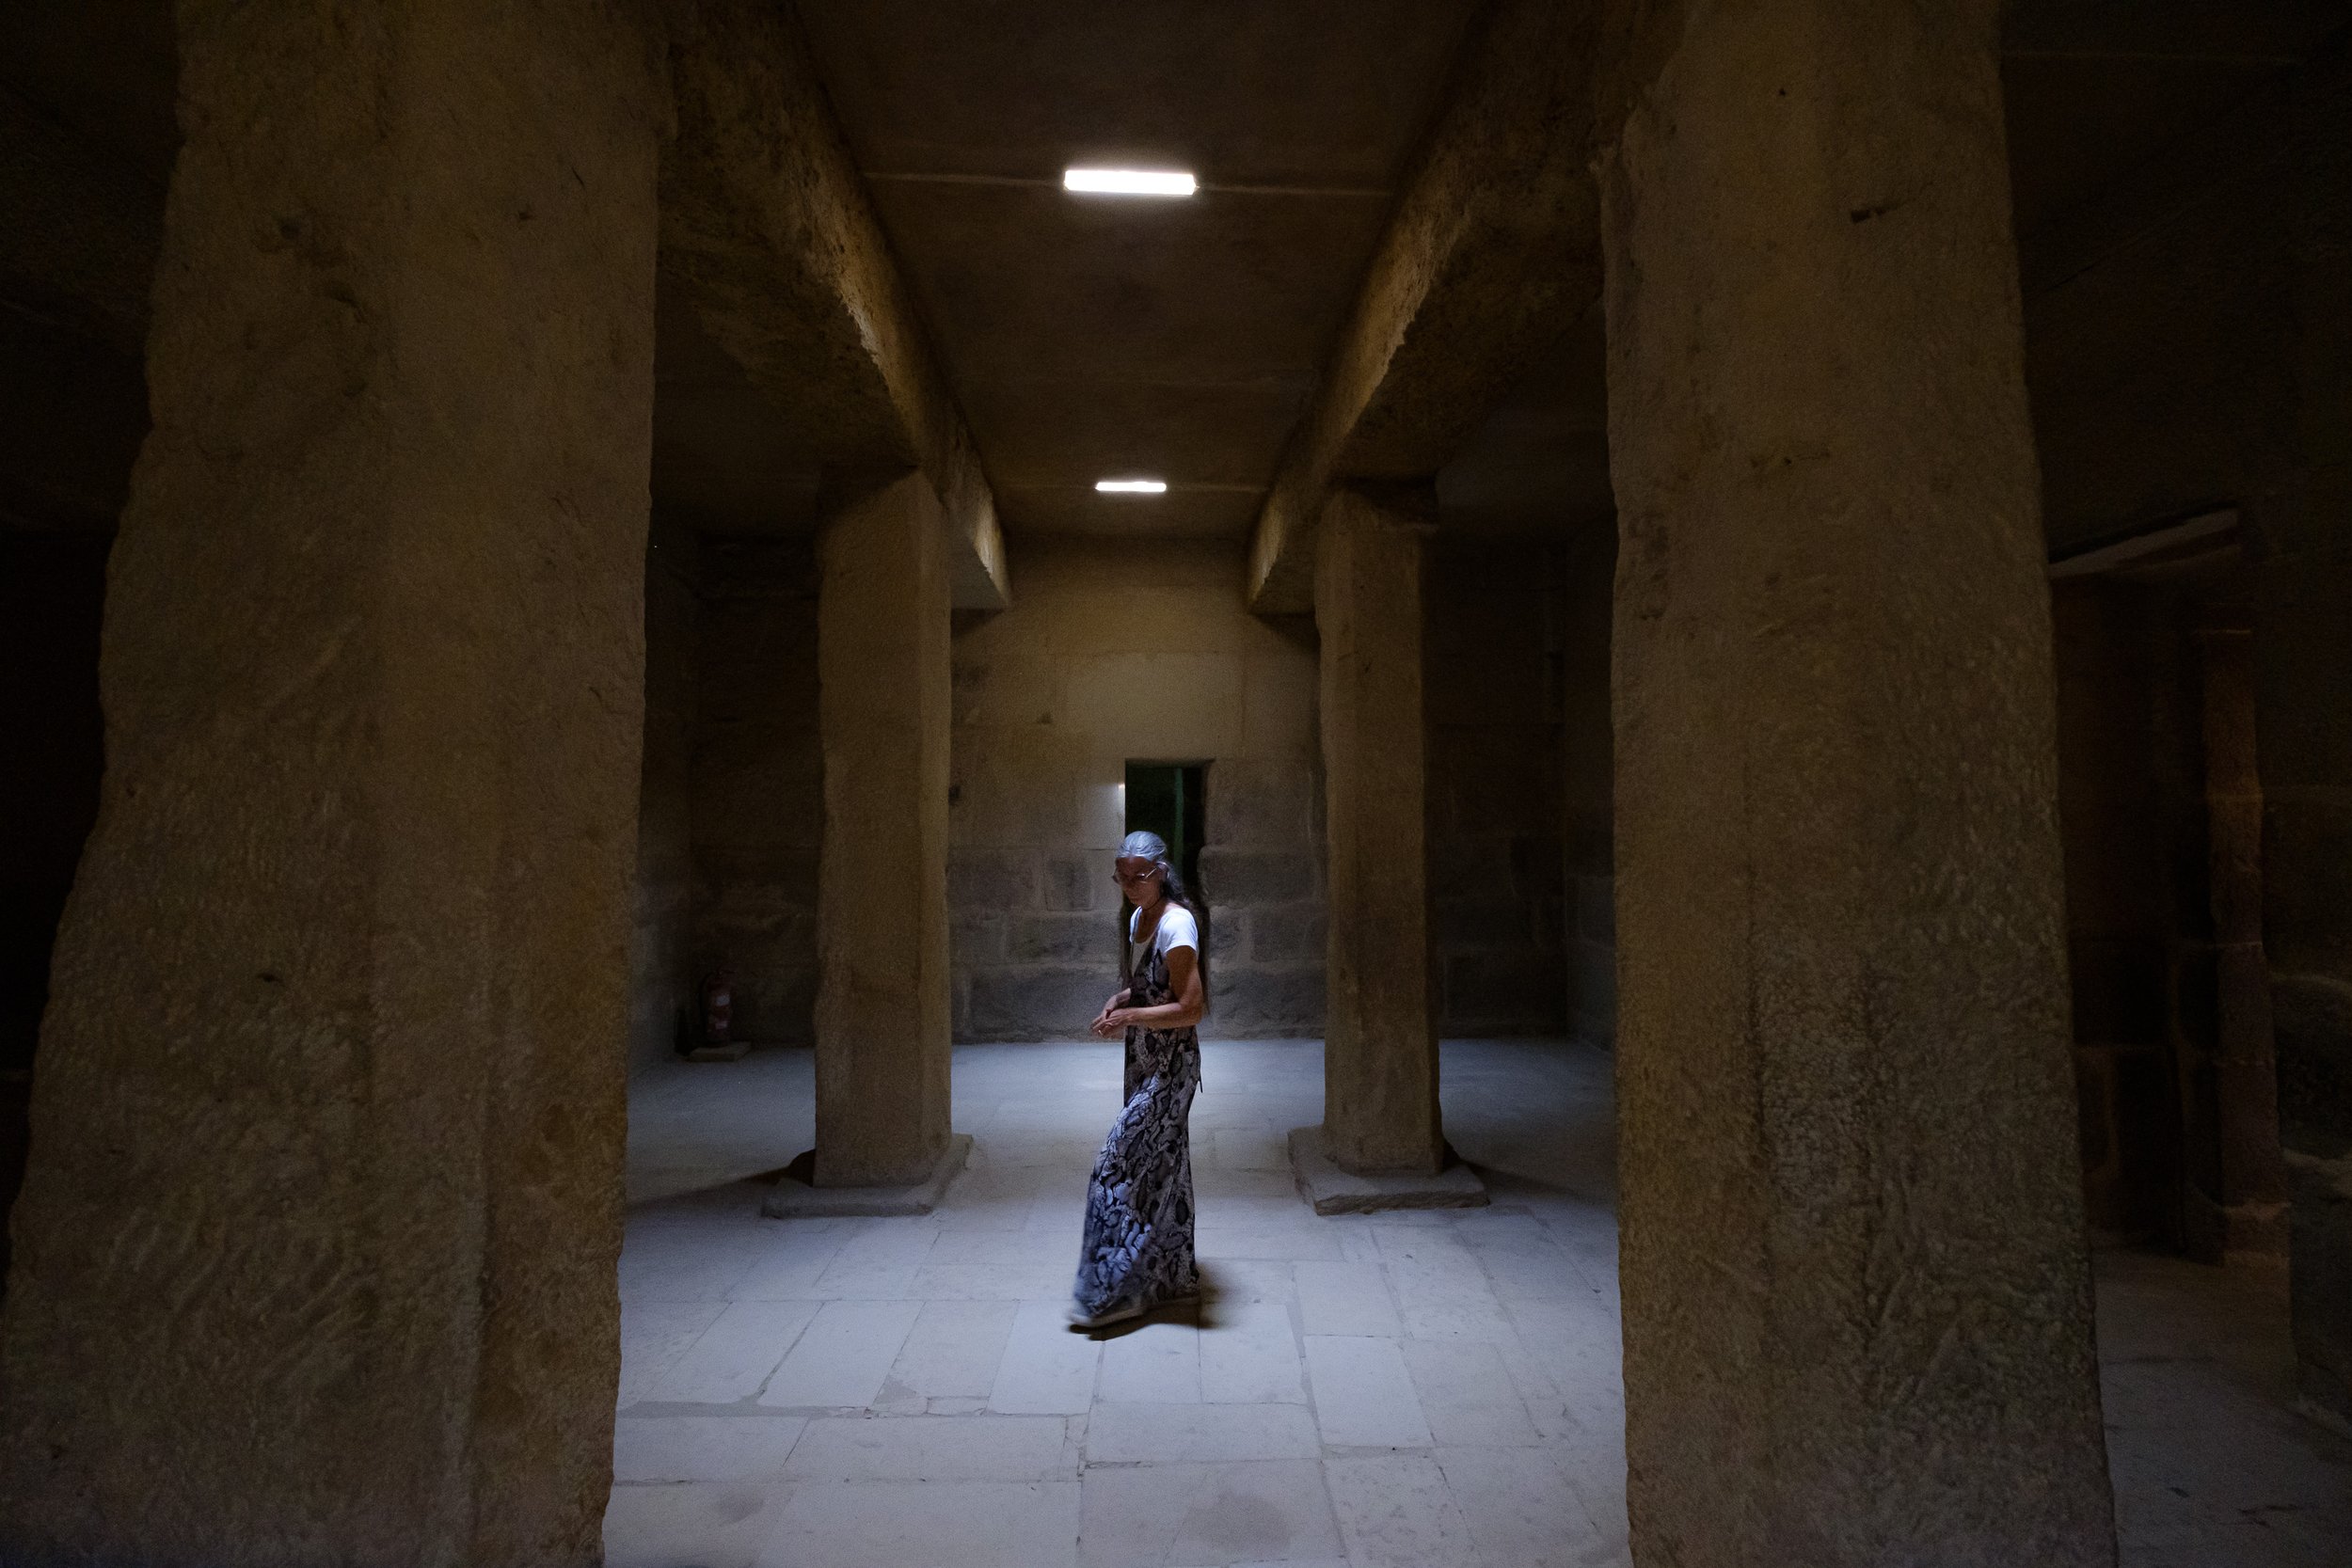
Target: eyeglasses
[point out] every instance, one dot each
(1125, 879)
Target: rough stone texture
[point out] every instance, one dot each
(1114, 654)
(1491, 662)
(758, 766)
(319, 1237)
(1487, 262)
(1329, 1190)
(665, 995)
(1379, 1038)
(1855, 1291)
(881, 900)
(767, 229)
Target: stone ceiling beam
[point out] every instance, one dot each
(1490, 257)
(768, 229)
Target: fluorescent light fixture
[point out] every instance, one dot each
(1131, 486)
(1128, 181)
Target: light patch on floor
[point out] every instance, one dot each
(1431, 1390)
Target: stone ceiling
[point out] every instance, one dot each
(1089, 337)
(2097, 90)
(1086, 338)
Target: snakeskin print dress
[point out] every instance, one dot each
(1138, 1227)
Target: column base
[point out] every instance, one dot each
(795, 1199)
(1332, 1191)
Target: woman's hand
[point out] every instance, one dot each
(1184, 977)
(1104, 1026)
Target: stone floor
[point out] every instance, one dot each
(1413, 1391)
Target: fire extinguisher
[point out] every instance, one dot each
(717, 1007)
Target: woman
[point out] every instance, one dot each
(1138, 1252)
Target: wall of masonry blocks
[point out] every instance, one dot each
(1112, 654)
(1140, 652)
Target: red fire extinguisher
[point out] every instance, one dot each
(717, 1007)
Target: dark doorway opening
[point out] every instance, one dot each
(1169, 799)
(53, 589)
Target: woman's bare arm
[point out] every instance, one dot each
(1101, 1025)
(1184, 979)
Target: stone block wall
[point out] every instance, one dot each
(758, 786)
(1491, 659)
(2186, 348)
(1114, 653)
(663, 981)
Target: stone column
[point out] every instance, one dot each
(2244, 1212)
(883, 993)
(316, 1256)
(1380, 1040)
(1856, 1293)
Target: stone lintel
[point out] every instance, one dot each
(767, 229)
(1329, 1190)
(1491, 259)
(793, 1198)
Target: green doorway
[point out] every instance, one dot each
(1169, 799)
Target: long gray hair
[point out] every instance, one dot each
(1142, 845)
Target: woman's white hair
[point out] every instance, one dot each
(1144, 845)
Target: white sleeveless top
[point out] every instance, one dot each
(1177, 929)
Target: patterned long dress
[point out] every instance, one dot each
(1138, 1230)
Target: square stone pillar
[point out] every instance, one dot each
(1856, 1285)
(2237, 1191)
(883, 995)
(316, 1251)
(1380, 1039)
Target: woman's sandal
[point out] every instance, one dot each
(1117, 1312)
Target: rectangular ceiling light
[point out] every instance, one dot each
(1128, 181)
(1131, 486)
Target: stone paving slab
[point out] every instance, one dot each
(929, 1405)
